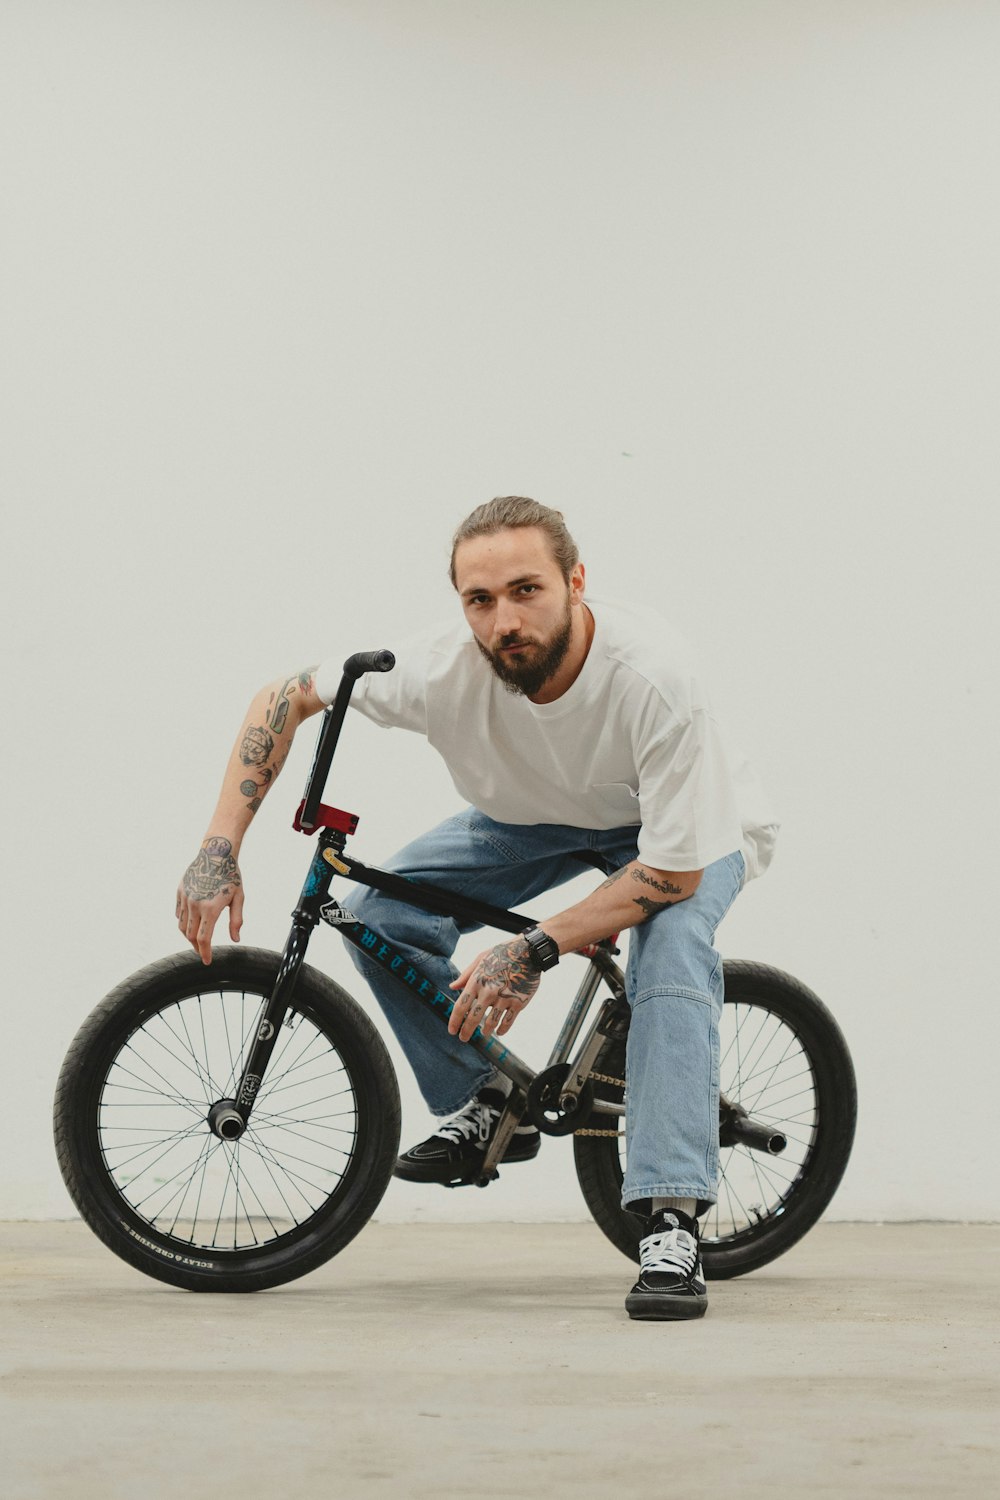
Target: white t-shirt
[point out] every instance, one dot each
(633, 742)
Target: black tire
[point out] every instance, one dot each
(767, 1015)
(150, 1177)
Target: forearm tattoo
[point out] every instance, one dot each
(648, 904)
(278, 711)
(508, 968)
(213, 871)
(254, 790)
(257, 746)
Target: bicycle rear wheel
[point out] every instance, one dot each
(168, 1195)
(784, 1059)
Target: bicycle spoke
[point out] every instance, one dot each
(264, 1121)
(286, 1130)
(187, 1066)
(169, 1143)
(269, 1156)
(206, 1077)
(302, 1060)
(157, 1186)
(307, 1104)
(203, 1162)
(174, 1098)
(275, 1153)
(251, 1145)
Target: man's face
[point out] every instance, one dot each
(518, 605)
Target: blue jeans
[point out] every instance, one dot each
(673, 980)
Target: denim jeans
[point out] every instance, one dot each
(673, 981)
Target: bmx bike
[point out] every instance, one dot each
(230, 1128)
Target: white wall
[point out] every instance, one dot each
(289, 287)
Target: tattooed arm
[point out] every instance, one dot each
(497, 985)
(212, 880)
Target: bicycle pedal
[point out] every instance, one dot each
(461, 1182)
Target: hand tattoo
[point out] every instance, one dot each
(508, 972)
(508, 968)
(213, 871)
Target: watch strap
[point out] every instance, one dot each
(544, 951)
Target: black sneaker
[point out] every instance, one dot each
(671, 1281)
(454, 1154)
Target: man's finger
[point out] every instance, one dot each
(464, 1007)
(474, 1018)
(470, 1023)
(492, 1021)
(204, 943)
(458, 1011)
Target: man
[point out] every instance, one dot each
(567, 724)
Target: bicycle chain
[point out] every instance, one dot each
(603, 1078)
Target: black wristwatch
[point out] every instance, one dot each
(543, 950)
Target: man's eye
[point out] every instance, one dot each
(528, 588)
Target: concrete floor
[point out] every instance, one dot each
(496, 1360)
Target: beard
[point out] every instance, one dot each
(528, 676)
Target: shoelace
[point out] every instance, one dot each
(475, 1119)
(673, 1250)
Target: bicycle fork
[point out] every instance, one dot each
(228, 1118)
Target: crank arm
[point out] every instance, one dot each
(504, 1133)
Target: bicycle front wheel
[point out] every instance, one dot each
(784, 1060)
(167, 1194)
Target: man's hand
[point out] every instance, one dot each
(495, 988)
(211, 882)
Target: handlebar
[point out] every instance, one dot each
(354, 667)
(368, 661)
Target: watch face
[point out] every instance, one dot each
(543, 950)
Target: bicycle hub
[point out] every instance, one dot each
(225, 1121)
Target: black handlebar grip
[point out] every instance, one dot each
(368, 661)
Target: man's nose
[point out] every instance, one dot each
(508, 617)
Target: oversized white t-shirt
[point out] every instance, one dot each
(633, 742)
